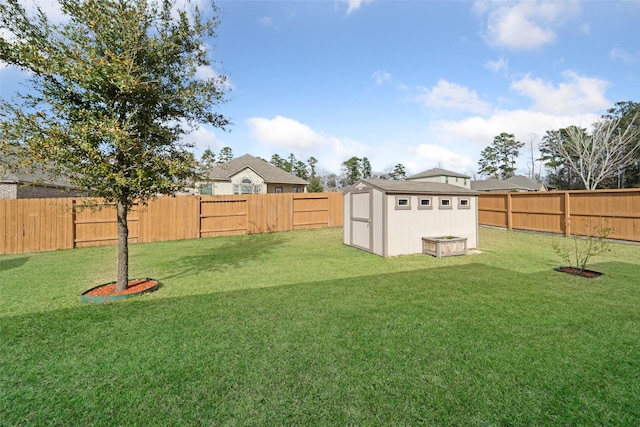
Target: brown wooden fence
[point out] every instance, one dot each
(565, 212)
(32, 225)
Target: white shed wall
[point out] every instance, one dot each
(406, 228)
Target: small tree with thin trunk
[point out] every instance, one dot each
(601, 155)
(115, 87)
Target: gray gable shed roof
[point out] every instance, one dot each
(268, 172)
(414, 187)
(437, 172)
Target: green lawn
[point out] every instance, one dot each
(297, 329)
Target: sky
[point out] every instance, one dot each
(423, 83)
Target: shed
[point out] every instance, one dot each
(390, 218)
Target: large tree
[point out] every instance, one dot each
(499, 159)
(560, 174)
(602, 154)
(354, 169)
(115, 88)
(627, 112)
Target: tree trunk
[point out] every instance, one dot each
(123, 248)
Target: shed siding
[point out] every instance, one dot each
(405, 228)
(378, 223)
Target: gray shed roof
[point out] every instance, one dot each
(437, 172)
(268, 172)
(414, 187)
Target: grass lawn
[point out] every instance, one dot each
(298, 329)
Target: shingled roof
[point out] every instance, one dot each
(415, 187)
(437, 172)
(269, 173)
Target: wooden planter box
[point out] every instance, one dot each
(444, 246)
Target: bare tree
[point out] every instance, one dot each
(602, 154)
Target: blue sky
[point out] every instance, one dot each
(422, 83)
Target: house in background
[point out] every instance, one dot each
(20, 184)
(443, 176)
(516, 183)
(250, 175)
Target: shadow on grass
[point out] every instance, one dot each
(232, 253)
(8, 264)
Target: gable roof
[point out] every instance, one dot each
(515, 183)
(437, 172)
(413, 187)
(269, 173)
(11, 174)
(523, 181)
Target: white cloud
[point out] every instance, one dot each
(283, 133)
(525, 24)
(447, 95)
(267, 21)
(381, 77)
(204, 137)
(497, 66)
(574, 96)
(437, 156)
(622, 55)
(355, 4)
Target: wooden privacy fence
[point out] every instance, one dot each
(31, 225)
(567, 212)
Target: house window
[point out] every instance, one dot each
(425, 203)
(236, 189)
(297, 189)
(403, 203)
(446, 179)
(445, 203)
(464, 204)
(247, 186)
(206, 189)
(256, 189)
(278, 189)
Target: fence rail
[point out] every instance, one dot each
(578, 213)
(32, 225)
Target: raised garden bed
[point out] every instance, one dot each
(444, 246)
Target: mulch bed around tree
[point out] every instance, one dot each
(580, 272)
(134, 286)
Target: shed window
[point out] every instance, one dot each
(403, 203)
(425, 203)
(445, 203)
(464, 204)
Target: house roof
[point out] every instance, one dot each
(515, 183)
(523, 181)
(269, 173)
(437, 172)
(9, 173)
(414, 187)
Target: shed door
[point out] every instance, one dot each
(361, 230)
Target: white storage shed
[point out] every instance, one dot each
(390, 218)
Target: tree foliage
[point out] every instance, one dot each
(354, 169)
(603, 154)
(499, 159)
(115, 88)
(398, 173)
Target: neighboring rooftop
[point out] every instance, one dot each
(514, 183)
(268, 172)
(437, 172)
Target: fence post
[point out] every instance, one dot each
(73, 223)
(199, 217)
(567, 214)
(509, 213)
